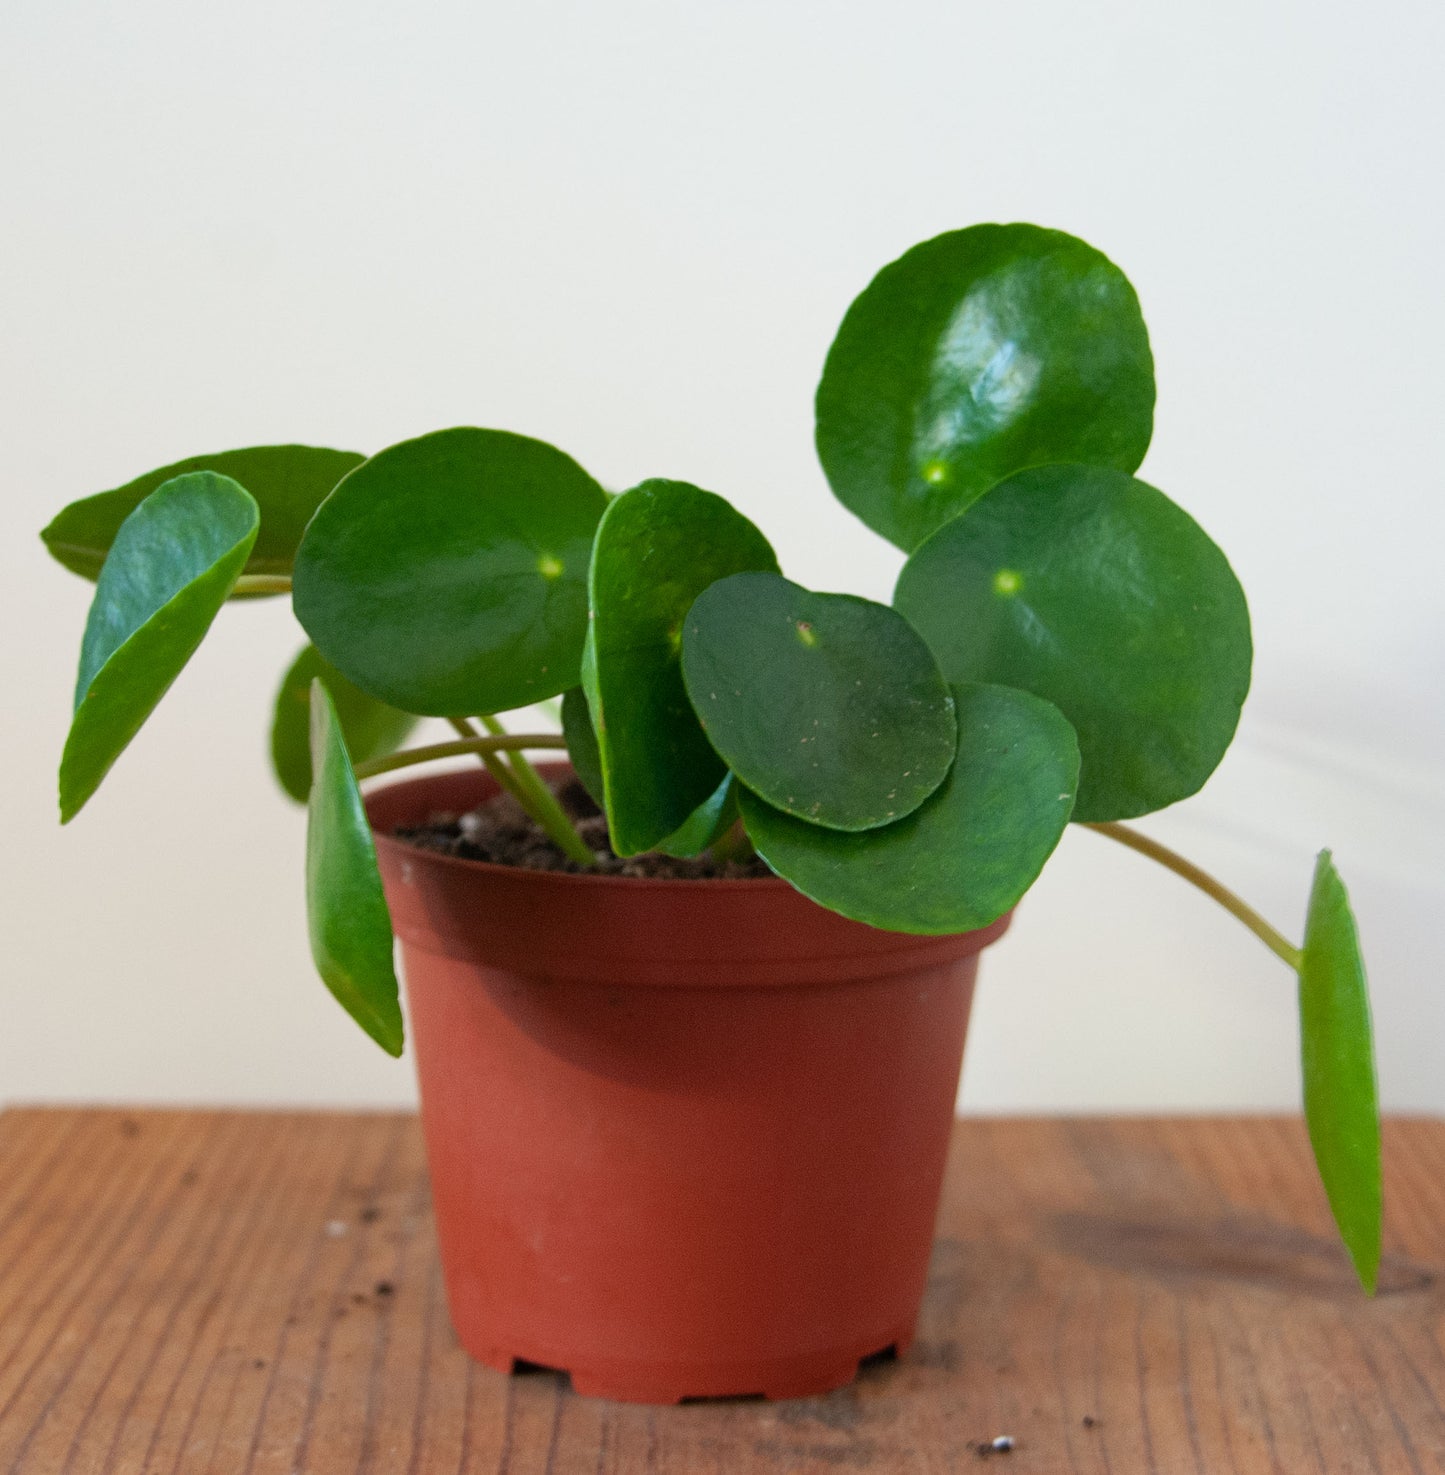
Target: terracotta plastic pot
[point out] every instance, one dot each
(686, 1138)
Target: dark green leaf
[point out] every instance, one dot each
(288, 483)
(1095, 591)
(969, 852)
(171, 566)
(972, 356)
(371, 728)
(1341, 1106)
(658, 547)
(351, 937)
(829, 707)
(582, 743)
(448, 575)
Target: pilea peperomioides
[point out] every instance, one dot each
(1064, 642)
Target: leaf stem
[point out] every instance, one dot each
(541, 803)
(493, 764)
(1171, 860)
(262, 584)
(459, 747)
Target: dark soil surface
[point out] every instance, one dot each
(501, 831)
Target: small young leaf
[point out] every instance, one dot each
(658, 547)
(972, 356)
(171, 566)
(448, 575)
(371, 728)
(1341, 1106)
(969, 852)
(1094, 591)
(706, 825)
(351, 936)
(288, 483)
(828, 706)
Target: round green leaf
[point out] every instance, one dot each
(371, 728)
(1337, 1051)
(351, 936)
(288, 483)
(657, 548)
(828, 706)
(448, 575)
(969, 852)
(972, 356)
(171, 566)
(1095, 591)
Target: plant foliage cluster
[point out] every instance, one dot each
(1064, 642)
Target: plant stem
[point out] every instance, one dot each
(477, 745)
(1275, 941)
(541, 803)
(263, 584)
(493, 764)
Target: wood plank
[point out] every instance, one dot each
(258, 1293)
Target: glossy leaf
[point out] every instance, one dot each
(288, 483)
(371, 728)
(969, 852)
(657, 548)
(448, 575)
(1094, 591)
(171, 566)
(1341, 1104)
(351, 936)
(827, 706)
(972, 356)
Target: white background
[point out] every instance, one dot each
(631, 229)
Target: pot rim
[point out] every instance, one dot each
(653, 931)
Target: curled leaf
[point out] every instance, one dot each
(170, 568)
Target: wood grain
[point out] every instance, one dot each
(258, 1294)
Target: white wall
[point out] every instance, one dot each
(631, 229)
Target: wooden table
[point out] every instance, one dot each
(245, 1293)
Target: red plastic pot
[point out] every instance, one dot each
(686, 1138)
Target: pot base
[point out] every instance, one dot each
(678, 1382)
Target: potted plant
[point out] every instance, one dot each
(688, 1068)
